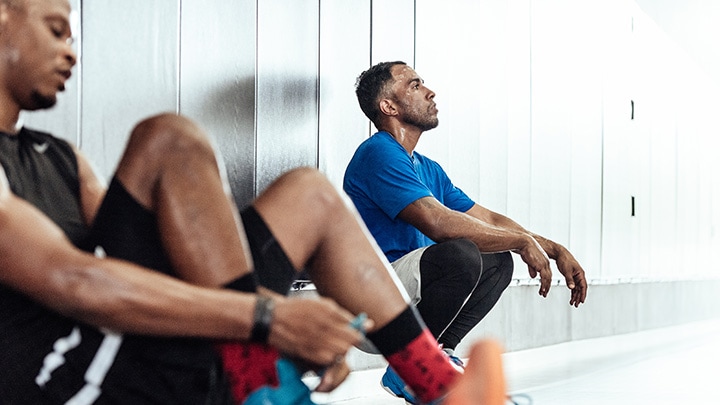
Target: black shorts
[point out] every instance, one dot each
(149, 369)
(126, 230)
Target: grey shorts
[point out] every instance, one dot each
(408, 271)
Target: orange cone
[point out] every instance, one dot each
(483, 382)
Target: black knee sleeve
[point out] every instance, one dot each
(505, 267)
(458, 258)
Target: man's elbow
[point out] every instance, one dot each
(79, 292)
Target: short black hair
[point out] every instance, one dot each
(371, 84)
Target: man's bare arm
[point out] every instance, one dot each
(440, 223)
(92, 188)
(565, 261)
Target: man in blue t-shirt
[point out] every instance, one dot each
(451, 254)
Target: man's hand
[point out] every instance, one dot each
(574, 277)
(315, 330)
(538, 263)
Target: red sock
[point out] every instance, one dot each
(248, 366)
(424, 368)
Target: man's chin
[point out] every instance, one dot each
(40, 102)
(430, 125)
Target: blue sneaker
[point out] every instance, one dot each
(291, 391)
(392, 383)
(456, 361)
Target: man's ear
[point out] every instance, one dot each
(387, 107)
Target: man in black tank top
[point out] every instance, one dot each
(80, 263)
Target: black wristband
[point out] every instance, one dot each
(262, 318)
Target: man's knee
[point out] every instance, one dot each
(310, 189)
(505, 266)
(168, 133)
(459, 256)
(160, 146)
(162, 141)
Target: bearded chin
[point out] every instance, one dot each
(425, 124)
(40, 101)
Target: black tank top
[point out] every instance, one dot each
(43, 170)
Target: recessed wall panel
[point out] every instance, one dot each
(217, 82)
(552, 63)
(287, 87)
(344, 54)
(129, 70)
(393, 31)
(471, 93)
(585, 128)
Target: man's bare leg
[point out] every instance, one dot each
(320, 231)
(170, 168)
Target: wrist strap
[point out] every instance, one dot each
(262, 318)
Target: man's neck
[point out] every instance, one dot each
(9, 117)
(407, 137)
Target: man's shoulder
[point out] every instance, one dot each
(425, 160)
(36, 132)
(380, 143)
(40, 136)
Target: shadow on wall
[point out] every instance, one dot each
(288, 135)
(227, 113)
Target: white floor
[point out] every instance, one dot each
(675, 365)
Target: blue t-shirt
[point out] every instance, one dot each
(382, 179)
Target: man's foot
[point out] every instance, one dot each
(483, 381)
(393, 384)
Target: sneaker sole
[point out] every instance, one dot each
(389, 391)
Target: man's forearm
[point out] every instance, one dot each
(551, 248)
(124, 297)
(488, 237)
(440, 223)
(107, 292)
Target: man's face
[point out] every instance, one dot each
(415, 102)
(36, 52)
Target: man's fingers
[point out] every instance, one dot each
(569, 281)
